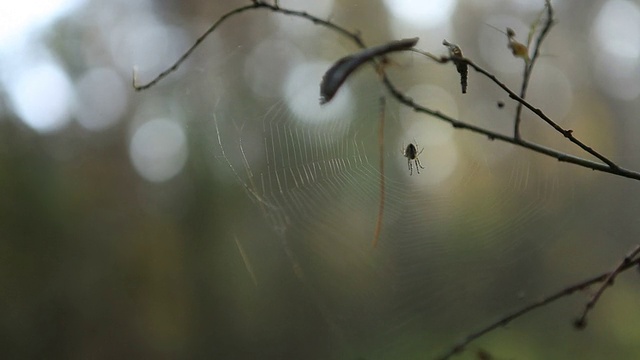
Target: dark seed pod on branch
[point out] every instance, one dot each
(340, 71)
(461, 66)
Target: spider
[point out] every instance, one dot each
(411, 153)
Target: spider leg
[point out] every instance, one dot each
(418, 163)
(410, 167)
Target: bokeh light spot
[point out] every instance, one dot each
(158, 149)
(552, 91)
(420, 13)
(42, 96)
(302, 91)
(432, 133)
(616, 29)
(20, 18)
(616, 49)
(268, 64)
(101, 98)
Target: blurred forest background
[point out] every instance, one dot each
(224, 214)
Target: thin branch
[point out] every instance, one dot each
(358, 41)
(460, 347)
(457, 60)
(581, 322)
(255, 5)
(193, 47)
(528, 68)
(565, 132)
(611, 167)
(560, 156)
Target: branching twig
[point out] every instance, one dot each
(521, 102)
(528, 67)
(581, 322)
(185, 56)
(560, 156)
(255, 5)
(565, 132)
(355, 37)
(460, 347)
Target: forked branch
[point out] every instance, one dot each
(629, 262)
(528, 66)
(610, 167)
(581, 322)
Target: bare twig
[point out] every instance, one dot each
(581, 322)
(460, 347)
(185, 56)
(255, 5)
(567, 133)
(611, 168)
(560, 156)
(457, 60)
(528, 67)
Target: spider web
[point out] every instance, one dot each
(316, 180)
(465, 231)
